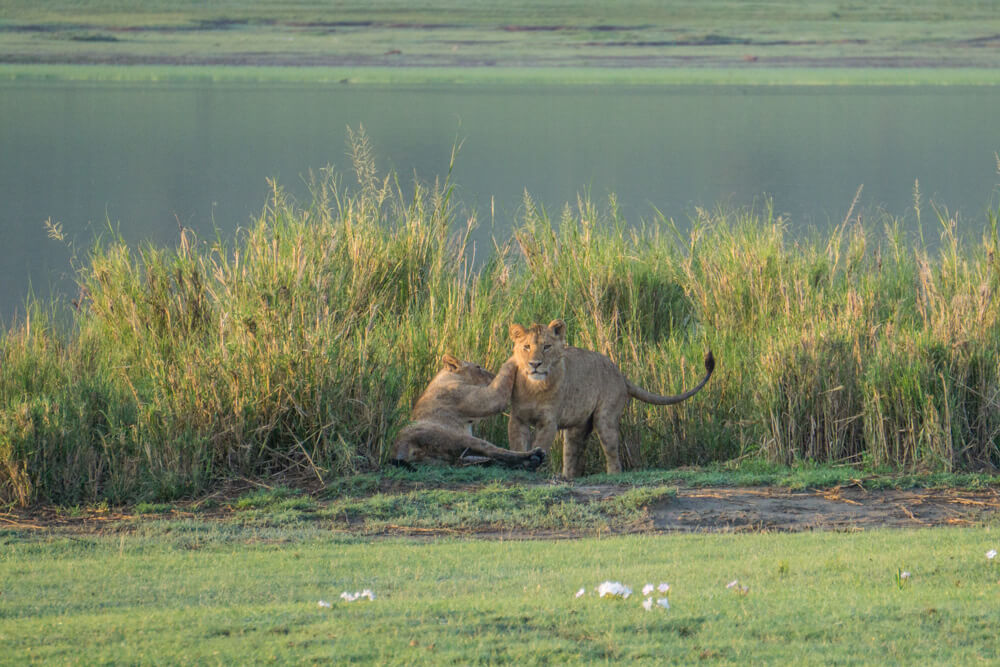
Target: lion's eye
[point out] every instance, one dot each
(546, 347)
(527, 348)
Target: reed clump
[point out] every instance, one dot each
(300, 345)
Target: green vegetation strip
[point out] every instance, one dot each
(498, 508)
(502, 508)
(750, 473)
(196, 592)
(498, 76)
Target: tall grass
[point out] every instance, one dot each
(300, 345)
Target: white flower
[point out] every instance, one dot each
(662, 602)
(904, 575)
(351, 597)
(647, 589)
(581, 592)
(735, 586)
(663, 588)
(324, 603)
(991, 554)
(613, 588)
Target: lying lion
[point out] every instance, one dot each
(578, 391)
(461, 394)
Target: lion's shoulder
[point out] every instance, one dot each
(441, 397)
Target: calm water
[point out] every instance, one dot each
(147, 156)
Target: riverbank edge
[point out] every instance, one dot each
(500, 76)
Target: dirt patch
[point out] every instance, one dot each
(846, 509)
(710, 510)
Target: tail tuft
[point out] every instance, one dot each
(709, 362)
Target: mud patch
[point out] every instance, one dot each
(843, 509)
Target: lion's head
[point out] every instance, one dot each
(468, 372)
(537, 349)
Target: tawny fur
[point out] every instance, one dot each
(461, 394)
(560, 387)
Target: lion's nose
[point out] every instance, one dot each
(534, 364)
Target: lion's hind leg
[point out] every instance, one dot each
(574, 444)
(479, 447)
(607, 427)
(427, 441)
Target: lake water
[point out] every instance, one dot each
(150, 156)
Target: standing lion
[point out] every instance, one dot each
(560, 387)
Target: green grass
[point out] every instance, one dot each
(193, 592)
(582, 41)
(299, 346)
(750, 472)
(496, 508)
(435, 501)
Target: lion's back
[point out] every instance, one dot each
(591, 379)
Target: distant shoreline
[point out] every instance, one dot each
(477, 75)
(574, 42)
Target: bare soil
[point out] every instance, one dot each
(844, 509)
(711, 510)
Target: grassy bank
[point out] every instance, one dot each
(568, 76)
(475, 38)
(300, 345)
(812, 598)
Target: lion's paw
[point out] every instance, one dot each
(535, 459)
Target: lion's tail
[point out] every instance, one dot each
(656, 399)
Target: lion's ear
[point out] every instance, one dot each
(517, 332)
(451, 363)
(558, 327)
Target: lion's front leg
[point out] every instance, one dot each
(518, 435)
(545, 434)
(493, 398)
